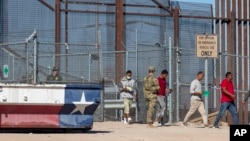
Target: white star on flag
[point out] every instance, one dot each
(81, 105)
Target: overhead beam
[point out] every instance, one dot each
(47, 5)
(107, 4)
(163, 7)
(225, 19)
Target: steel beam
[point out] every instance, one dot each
(245, 40)
(218, 64)
(119, 65)
(176, 46)
(225, 19)
(239, 79)
(66, 39)
(163, 7)
(106, 3)
(47, 5)
(57, 31)
(223, 39)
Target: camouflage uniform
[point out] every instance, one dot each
(150, 89)
(54, 79)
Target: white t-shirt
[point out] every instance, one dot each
(195, 87)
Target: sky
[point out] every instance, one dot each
(200, 1)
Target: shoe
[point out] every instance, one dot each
(184, 124)
(125, 122)
(207, 126)
(149, 125)
(216, 127)
(157, 124)
(129, 120)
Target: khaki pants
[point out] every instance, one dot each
(196, 104)
(127, 105)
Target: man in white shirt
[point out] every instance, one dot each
(196, 100)
(128, 93)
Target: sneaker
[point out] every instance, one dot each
(207, 126)
(155, 124)
(129, 120)
(184, 124)
(159, 124)
(125, 122)
(216, 127)
(149, 125)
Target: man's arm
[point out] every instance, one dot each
(192, 88)
(122, 88)
(156, 86)
(227, 93)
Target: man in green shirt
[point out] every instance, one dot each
(54, 77)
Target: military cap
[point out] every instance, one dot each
(151, 68)
(55, 68)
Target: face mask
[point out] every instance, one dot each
(129, 78)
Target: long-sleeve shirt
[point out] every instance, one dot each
(195, 87)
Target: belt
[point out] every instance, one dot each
(195, 95)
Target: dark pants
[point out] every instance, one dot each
(232, 109)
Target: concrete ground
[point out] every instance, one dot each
(116, 131)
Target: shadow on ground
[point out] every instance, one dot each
(52, 131)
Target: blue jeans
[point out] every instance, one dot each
(232, 109)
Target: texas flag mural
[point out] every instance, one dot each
(48, 106)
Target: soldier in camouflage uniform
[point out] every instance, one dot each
(150, 90)
(54, 77)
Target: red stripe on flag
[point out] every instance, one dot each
(29, 116)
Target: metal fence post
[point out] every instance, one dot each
(27, 62)
(89, 67)
(136, 55)
(170, 82)
(136, 48)
(101, 73)
(126, 65)
(177, 84)
(13, 67)
(206, 85)
(35, 60)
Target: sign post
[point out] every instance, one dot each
(206, 47)
(5, 71)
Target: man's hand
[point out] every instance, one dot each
(228, 93)
(232, 96)
(243, 102)
(198, 93)
(168, 90)
(135, 97)
(124, 89)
